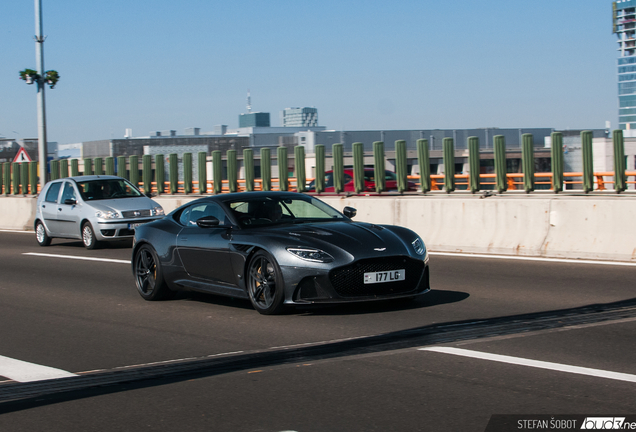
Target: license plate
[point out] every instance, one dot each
(387, 276)
(132, 226)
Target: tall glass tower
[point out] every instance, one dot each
(624, 20)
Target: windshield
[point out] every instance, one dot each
(107, 189)
(278, 210)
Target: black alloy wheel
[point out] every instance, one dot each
(265, 284)
(41, 236)
(148, 275)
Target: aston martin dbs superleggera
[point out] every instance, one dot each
(276, 249)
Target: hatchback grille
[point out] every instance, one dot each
(135, 213)
(348, 281)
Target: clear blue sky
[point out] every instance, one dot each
(401, 64)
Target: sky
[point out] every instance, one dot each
(364, 64)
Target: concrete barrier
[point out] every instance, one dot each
(591, 227)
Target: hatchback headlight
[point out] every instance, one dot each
(157, 211)
(419, 246)
(107, 214)
(313, 255)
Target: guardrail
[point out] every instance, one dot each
(21, 179)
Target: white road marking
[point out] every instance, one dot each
(18, 231)
(77, 257)
(22, 371)
(534, 363)
(515, 257)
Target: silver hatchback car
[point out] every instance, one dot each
(93, 209)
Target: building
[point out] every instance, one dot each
(624, 25)
(254, 119)
(299, 117)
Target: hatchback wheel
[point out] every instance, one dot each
(88, 236)
(41, 236)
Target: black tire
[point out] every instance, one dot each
(88, 236)
(265, 284)
(149, 279)
(40, 234)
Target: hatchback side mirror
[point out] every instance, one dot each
(208, 222)
(69, 201)
(349, 212)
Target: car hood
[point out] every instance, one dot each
(357, 238)
(123, 204)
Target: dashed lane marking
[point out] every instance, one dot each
(534, 363)
(523, 258)
(77, 257)
(22, 371)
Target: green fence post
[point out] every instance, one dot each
(283, 174)
(474, 180)
(146, 173)
(15, 177)
(88, 166)
(449, 164)
(319, 180)
(358, 167)
(55, 169)
(499, 146)
(187, 173)
(424, 162)
(160, 173)
(217, 171)
(527, 160)
(24, 177)
(133, 170)
(33, 177)
(400, 166)
(203, 172)
(63, 168)
(121, 167)
(266, 169)
(74, 167)
(1, 178)
(248, 166)
(337, 153)
(232, 170)
(379, 166)
(98, 165)
(110, 166)
(173, 177)
(620, 180)
(7, 177)
(299, 168)
(588, 161)
(557, 161)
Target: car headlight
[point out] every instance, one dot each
(314, 255)
(110, 214)
(419, 246)
(157, 211)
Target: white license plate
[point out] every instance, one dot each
(387, 276)
(132, 226)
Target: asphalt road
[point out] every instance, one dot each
(83, 316)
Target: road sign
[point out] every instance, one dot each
(22, 156)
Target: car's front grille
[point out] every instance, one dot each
(348, 281)
(135, 213)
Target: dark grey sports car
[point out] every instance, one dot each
(276, 249)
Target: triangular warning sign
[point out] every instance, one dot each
(22, 156)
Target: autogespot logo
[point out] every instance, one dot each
(607, 423)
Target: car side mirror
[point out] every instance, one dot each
(349, 212)
(149, 194)
(208, 222)
(69, 201)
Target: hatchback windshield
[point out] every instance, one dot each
(107, 189)
(274, 210)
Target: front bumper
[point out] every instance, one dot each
(119, 229)
(346, 283)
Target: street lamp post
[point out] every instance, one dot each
(40, 77)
